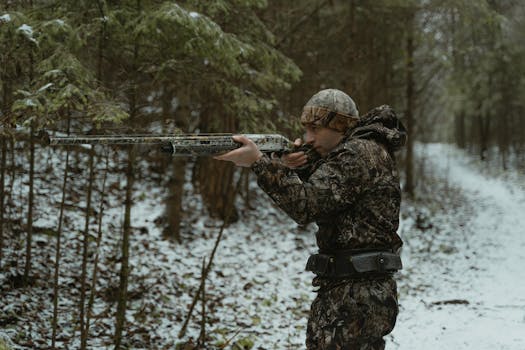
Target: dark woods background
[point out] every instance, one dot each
(452, 69)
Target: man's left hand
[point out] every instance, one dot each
(244, 156)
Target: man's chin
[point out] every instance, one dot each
(321, 151)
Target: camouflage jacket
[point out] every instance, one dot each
(353, 193)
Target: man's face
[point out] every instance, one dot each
(322, 139)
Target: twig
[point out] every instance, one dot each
(85, 246)
(229, 212)
(57, 255)
(231, 338)
(124, 268)
(299, 23)
(2, 195)
(202, 336)
(99, 238)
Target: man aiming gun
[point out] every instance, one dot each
(352, 192)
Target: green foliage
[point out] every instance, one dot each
(189, 37)
(47, 76)
(18, 44)
(238, 70)
(487, 70)
(64, 85)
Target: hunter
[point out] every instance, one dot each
(351, 190)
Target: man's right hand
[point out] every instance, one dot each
(296, 159)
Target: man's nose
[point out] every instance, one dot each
(309, 137)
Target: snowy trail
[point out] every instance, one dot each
(470, 292)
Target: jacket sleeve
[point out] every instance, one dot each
(332, 187)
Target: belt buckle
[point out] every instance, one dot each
(381, 262)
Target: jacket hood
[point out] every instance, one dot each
(382, 125)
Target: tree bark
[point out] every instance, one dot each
(174, 200)
(215, 186)
(460, 129)
(85, 249)
(483, 129)
(124, 269)
(2, 196)
(99, 239)
(213, 179)
(410, 98)
(27, 267)
(178, 166)
(57, 248)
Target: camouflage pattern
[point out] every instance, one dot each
(331, 108)
(184, 144)
(334, 100)
(353, 195)
(353, 315)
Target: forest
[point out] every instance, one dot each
(75, 221)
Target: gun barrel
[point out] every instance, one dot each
(106, 140)
(189, 144)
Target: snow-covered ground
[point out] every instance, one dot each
(468, 291)
(462, 286)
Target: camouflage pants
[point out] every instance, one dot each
(354, 315)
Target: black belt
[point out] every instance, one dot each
(354, 264)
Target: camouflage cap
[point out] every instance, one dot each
(331, 108)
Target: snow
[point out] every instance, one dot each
(27, 31)
(45, 87)
(194, 14)
(462, 286)
(5, 18)
(60, 22)
(29, 102)
(484, 269)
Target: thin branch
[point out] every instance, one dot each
(97, 249)
(57, 254)
(229, 212)
(299, 23)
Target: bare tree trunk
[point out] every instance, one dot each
(6, 106)
(460, 129)
(214, 179)
(174, 200)
(202, 335)
(245, 174)
(126, 232)
(57, 252)
(12, 176)
(353, 22)
(2, 196)
(99, 239)
(178, 164)
(504, 138)
(27, 267)
(217, 190)
(409, 164)
(57, 257)
(85, 316)
(85, 248)
(124, 269)
(458, 67)
(483, 127)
